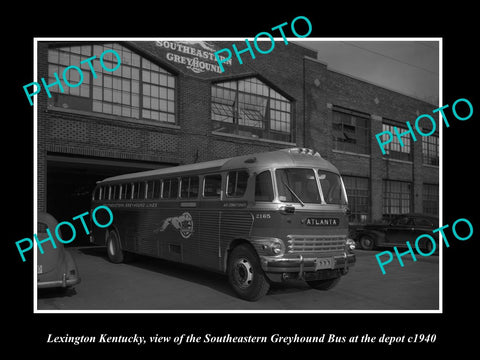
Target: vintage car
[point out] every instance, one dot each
(397, 232)
(56, 266)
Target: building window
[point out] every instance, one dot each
(358, 192)
(397, 197)
(430, 152)
(138, 89)
(430, 199)
(394, 149)
(350, 131)
(251, 108)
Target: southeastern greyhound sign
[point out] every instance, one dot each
(197, 56)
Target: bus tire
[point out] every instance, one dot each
(114, 249)
(245, 273)
(323, 284)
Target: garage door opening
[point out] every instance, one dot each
(70, 182)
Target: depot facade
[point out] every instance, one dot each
(169, 104)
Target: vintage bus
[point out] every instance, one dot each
(259, 218)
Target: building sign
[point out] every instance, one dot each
(197, 56)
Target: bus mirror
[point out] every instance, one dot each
(287, 209)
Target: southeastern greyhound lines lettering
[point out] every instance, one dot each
(197, 64)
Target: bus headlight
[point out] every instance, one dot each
(350, 244)
(274, 247)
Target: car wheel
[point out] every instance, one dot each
(323, 284)
(114, 250)
(245, 274)
(367, 243)
(428, 247)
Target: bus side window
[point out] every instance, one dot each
(128, 193)
(135, 190)
(189, 187)
(263, 187)
(212, 185)
(157, 187)
(150, 186)
(116, 192)
(170, 188)
(141, 190)
(123, 196)
(237, 183)
(96, 194)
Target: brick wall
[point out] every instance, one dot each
(292, 70)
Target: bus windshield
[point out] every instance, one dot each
(332, 188)
(300, 186)
(297, 185)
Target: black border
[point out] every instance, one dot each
(454, 328)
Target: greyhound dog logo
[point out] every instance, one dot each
(183, 223)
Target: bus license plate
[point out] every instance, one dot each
(323, 264)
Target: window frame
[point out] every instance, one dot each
(365, 131)
(94, 99)
(220, 187)
(227, 182)
(387, 205)
(394, 149)
(244, 103)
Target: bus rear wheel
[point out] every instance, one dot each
(114, 250)
(245, 274)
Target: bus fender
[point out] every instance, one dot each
(228, 249)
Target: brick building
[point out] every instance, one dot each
(169, 104)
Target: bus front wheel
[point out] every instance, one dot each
(114, 250)
(245, 274)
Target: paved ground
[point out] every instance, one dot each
(152, 284)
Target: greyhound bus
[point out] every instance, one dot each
(259, 218)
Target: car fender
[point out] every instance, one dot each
(378, 236)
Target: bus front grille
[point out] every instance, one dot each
(315, 243)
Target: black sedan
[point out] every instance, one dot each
(402, 228)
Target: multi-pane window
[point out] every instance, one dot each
(430, 199)
(189, 187)
(397, 197)
(137, 89)
(237, 183)
(358, 192)
(212, 186)
(350, 131)
(170, 188)
(249, 107)
(394, 149)
(430, 151)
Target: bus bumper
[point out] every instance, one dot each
(307, 267)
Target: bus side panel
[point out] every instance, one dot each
(234, 224)
(208, 239)
(144, 239)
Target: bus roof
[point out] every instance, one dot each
(293, 157)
